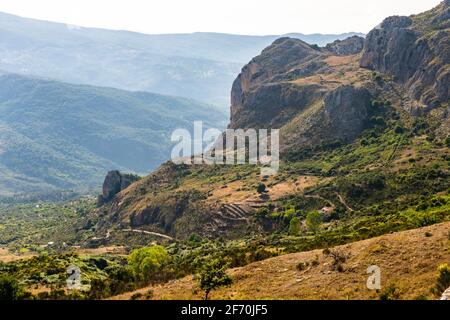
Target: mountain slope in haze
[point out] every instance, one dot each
(353, 147)
(56, 135)
(200, 65)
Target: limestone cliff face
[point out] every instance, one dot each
(340, 116)
(286, 87)
(318, 94)
(416, 51)
(262, 94)
(347, 107)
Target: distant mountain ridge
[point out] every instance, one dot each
(201, 66)
(56, 135)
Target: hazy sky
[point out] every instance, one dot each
(229, 16)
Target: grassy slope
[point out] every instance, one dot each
(407, 259)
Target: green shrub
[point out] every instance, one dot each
(442, 280)
(392, 292)
(261, 188)
(399, 129)
(194, 239)
(263, 212)
(447, 141)
(313, 221)
(294, 226)
(9, 288)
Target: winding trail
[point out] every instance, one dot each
(108, 234)
(148, 232)
(342, 200)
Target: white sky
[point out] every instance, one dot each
(257, 17)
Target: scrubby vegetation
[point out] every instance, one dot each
(32, 226)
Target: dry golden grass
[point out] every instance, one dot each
(8, 256)
(345, 70)
(408, 259)
(236, 192)
(102, 250)
(340, 61)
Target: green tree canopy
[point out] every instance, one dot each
(313, 220)
(213, 276)
(261, 188)
(294, 226)
(146, 261)
(9, 288)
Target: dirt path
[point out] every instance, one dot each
(148, 232)
(342, 200)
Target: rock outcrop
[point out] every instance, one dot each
(446, 295)
(262, 94)
(416, 51)
(352, 45)
(114, 183)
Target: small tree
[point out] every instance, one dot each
(147, 261)
(339, 257)
(261, 188)
(194, 239)
(313, 221)
(213, 276)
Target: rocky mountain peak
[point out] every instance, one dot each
(396, 22)
(266, 77)
(329, 104)
(349, 46)
(279, 57)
